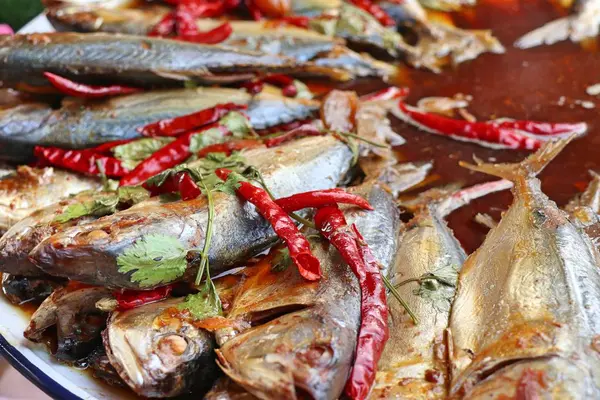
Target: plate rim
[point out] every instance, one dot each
(33, 373)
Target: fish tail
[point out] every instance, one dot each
(531, 166)
(594, 174)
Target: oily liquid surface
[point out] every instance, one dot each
(520, 84)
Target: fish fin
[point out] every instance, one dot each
(550, 33)
(594, 174)
(531, 166)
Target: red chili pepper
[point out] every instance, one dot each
(300, 252)
(321, 198)
(301, 131)
(71, 88)
(254, 86)
(185, 20)
(108, 146)
(214, 36)
(178, 125)
(83, 161)
(279, 80)
(165, 27)
(390, 93)
(376, 11)
(129, 299)
(229, 147)
(254, 11)
(181, 183)
(209, 9)
(495, 133)
(167, 157)
(374, 331)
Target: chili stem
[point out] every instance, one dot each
(395, 293)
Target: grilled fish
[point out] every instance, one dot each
(309, 351)
(132, 60)
(429, 255)
(22, 237)
(78, 322)
(88, 252)
(583, 23)
(439, 43)
(29, 189)
(78, 124)
(527, 307)
(159, 355)
(22, 290)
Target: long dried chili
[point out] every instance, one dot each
(300, 253)
(178, 125)
(390, 93)
(167, 157)
(128, 299)
(71, 88)
(374, 331)
(84, 161)
(165, 27)
(321, 198)
(213, 36)
(301, 131)
(181, 183)
(525, 135)
(106, 147)
(376, 11)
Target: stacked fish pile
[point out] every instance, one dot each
(194, 219)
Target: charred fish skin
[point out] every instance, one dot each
(529, 294)
(311, 351)
(80, 125)
(88, 252)
(78, 321)
(159, 355)
(29, 189)
(416, 353)
(133, 60)
(24, 290)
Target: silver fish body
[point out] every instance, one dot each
(528, 299)
(29, 189)
(309, 351)
(158, 354)
(78, 124)
(88, 252)
(431, 257)
(126, 59)
(78, 322)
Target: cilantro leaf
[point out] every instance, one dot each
(132, 194)
(155, 259)
(237, 124)
(206, 303)
(206, 138)
(281, 260)
(101, 204)
(132, 153)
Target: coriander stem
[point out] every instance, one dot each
(209, 232)
(357, 137)
(395, 293)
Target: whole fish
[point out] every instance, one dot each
(583, 23)
(132, 60)
(430, 256)
(78, 322)
(88, 252)
(29, 189)
(99, 364)
(439, 43)
(22, 237)
(301, 44)
(309, 351)
(158, 354)
(23, 290)
(85, 124)
(526, 316)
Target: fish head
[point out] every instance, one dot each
(157, 352)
